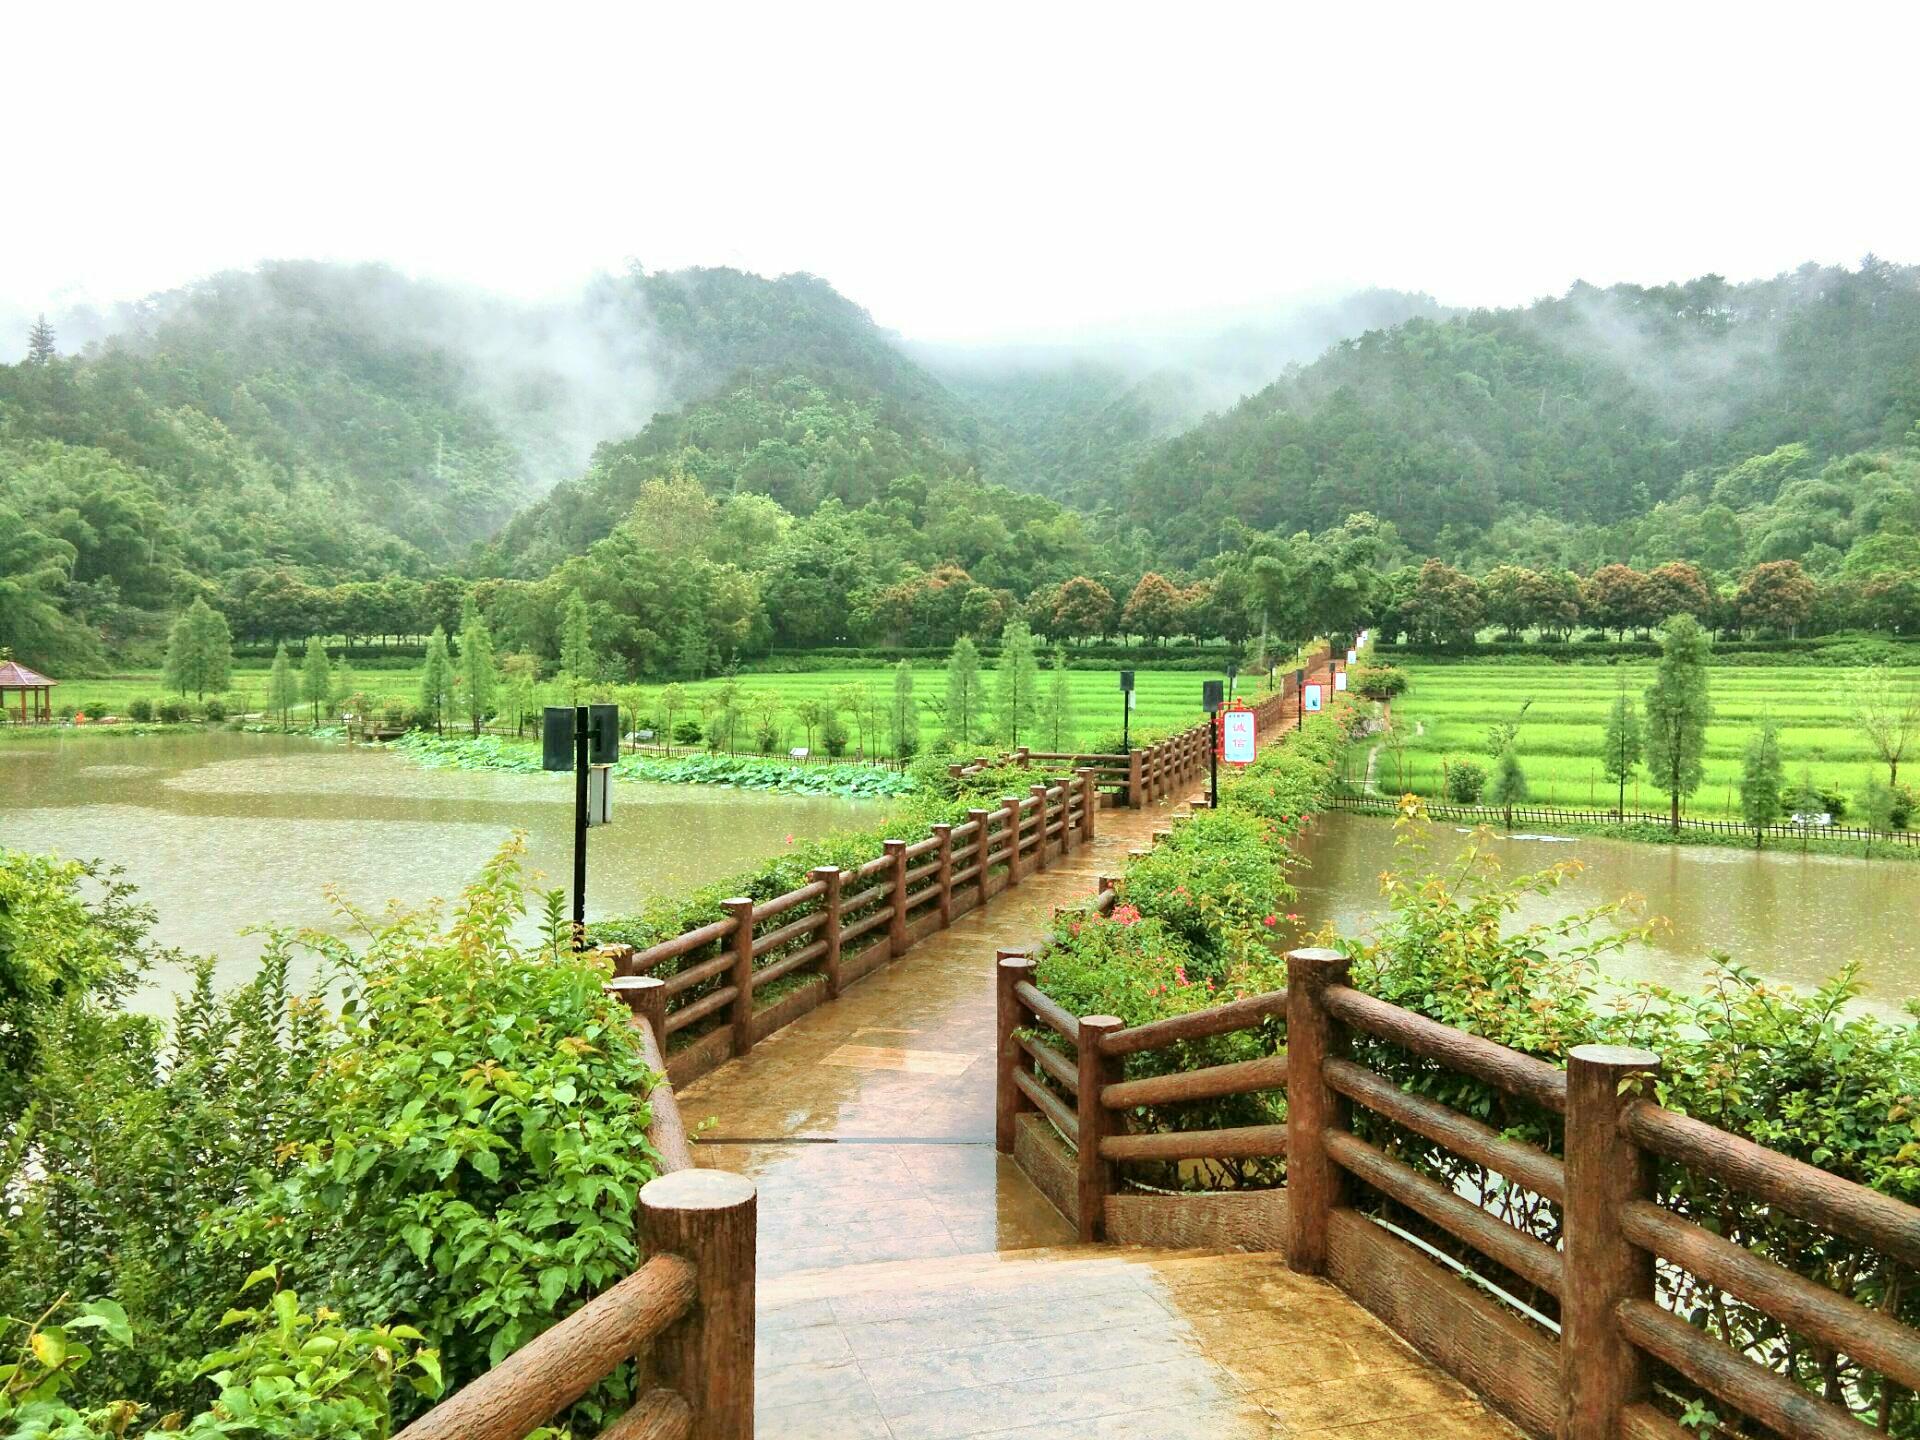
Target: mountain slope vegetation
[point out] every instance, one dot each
(1592, 408)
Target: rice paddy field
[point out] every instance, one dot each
(1447, 708)
(1163, 699)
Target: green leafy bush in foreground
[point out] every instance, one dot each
(446, 1152)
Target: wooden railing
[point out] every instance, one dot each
(1594, 1374)
(688, 1309)
(845, 923)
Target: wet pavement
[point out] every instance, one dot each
(913, 1285)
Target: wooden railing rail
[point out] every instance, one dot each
(731, 982)
(1587, 1359)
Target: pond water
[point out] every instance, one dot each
(225, 830)
(1789, 915)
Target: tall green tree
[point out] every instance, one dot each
(1678, 710)
(199, 651)
(1622, 745)
(345, 682)
(964, 700)
(578, 665)
(1016, 682)
(316, 677)
(477, 673)
(436, 680)
(1059, 710)
(40, 343)
(904, 722)
(283, 691)
(1761, 776)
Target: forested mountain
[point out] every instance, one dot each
(1588, 409)
(311, 445)
(1070, 420)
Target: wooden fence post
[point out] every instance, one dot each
(943, 877)
(646, 997)
(619, 958)
(708, 1216)
(831, 877)
(1010, 968)
(1089, 802)
(980, 837)
(1601, 1371)
(1097, 1071)
(1012, 806)
(741, 909)
(1041, 816)
(1136, 791)
(897, 927)
(1315, 1185)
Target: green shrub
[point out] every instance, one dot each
(1378, 682)
(456, 1146)
(1466, 779)
(140, 709)
(173, 712)
(215, 708)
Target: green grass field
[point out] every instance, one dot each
(1164, 699)
(1453, 704)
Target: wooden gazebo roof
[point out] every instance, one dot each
(15, 676)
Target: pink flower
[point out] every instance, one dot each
(1180, 973)
(1292, 916)
(1271, 921)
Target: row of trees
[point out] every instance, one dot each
(1435, 604)
(1666, 732)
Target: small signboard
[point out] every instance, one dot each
(1310, 699)
(1339, 680)
(799, 752)
(1353, 657)
(1236, 741)
(1213, 694)
(1130, 695)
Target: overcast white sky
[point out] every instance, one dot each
(966, 171)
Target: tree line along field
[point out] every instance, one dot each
(1447, 707)
(1163, 699)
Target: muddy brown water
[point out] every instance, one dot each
(225, 830)
(1791, 916)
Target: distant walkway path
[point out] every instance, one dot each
(868, 1124)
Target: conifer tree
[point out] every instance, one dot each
(1678, 710)
(316, 677)
(905, 719)
(436, 680)
(1059, 703)
(283, 691)
(1016, 682)
(1761, 776)
(1622, 745)
(577, 664)
(40, 346)
(476, 665)
(964, 701)
(1507, 787)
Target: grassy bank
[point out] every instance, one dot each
(1447, 708)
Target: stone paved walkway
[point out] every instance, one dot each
(913, 1284)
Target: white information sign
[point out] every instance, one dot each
(1353, 657)
(1310, 699)
(1339, 679)
(1236, 737)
